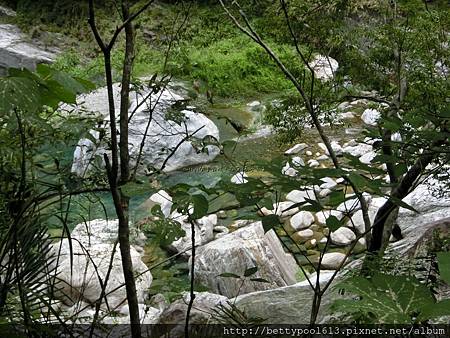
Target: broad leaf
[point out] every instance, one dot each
(333, 223)
(19, 93)
(270, 221)
(200, 206)
(444, 265)
(391, 299)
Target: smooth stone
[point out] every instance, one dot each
(358, 150)
(328, 183)
(298, 196)
(313, 163)
(371, 117)
(342, 236)
(303, 235)
(161, 198)
(222, 214)
(332, 260)
(201, 313)
(360, 246)
(347, 115)
(301, 220)
(368, 157)
(281, 305)
(296, 149)
(308, 153)
(322, 216)
(284, 209)
(325, 192)
(322, 157)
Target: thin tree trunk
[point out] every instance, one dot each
(400, 192)
(125, 95)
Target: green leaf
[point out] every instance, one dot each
(250, 271)
(64, 80)
(269, 222)
(333, 223)
(163, 231)
(229, 275)
(156, 211)
(444, 266)
(431, 311)
(358, 180)
(260, 280)
(19, 92)
(200, 206)
(391, 299)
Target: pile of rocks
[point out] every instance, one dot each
(81, 268)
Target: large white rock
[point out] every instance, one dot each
(342, 236)
(286, 305)
(92, 245)
(147, 315)
(301, 220)
(238, 251)
(353, 204)
(324, 67)
(17, 52)
(370, 116)
(425, 198)
(164, 135)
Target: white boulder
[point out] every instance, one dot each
(167, 144)
(240, 250)
(298, 196)
(92, 246)
(301, 220)
(17, 52)
(371, 116)
(342, 236)
(324, 67)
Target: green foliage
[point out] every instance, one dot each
(232, 67)
(36, 146)
(161, 230)
(389, 299)
(444, 266)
